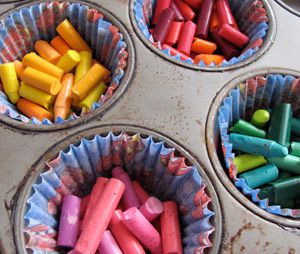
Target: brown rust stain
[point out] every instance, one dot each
(291, 251)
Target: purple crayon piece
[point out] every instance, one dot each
(178, 14)
(69, 222)
(129, 198)
(108, 244)
(203, 21)
(152, 208)
(163, 26)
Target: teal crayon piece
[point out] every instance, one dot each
(296, 127)
(281, 124)
(295, 147)
(258, 146)
(243, 127)
(260, 176)
(288, 163)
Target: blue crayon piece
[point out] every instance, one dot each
(258, 146)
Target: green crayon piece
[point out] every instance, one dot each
(285, 174)
(286, 203)
(281, 124)
(296, 127)
(288, 163)
(295, 147)
(297, 203)
(258, 146)
(243, 127)
(246, 162)
(260, 117)
(260, 176)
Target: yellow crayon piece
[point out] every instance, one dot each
(19, 68)
(10, 81)
(72, 37)
(93, 77)
(84, 65)
(35, 95)
(34, 61)
(93, 96)
(41, 80)
(68, 61)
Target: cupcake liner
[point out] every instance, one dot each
(154, 165)
(20, 29)
(258, 92)
(250, 15)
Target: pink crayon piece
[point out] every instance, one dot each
(100, 217)
(186, 37)
(129, 198)
(233, 35)
(224, 13)
(108, 244)
(84, 205)
(178, 14)
(161, 5)
(152, 208)
(140, 192)
(135, 221)
(204, 17)
(69, 222)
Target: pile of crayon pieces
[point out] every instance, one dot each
(118, 217)
(62, 76)
(204, 30)
(271, 154)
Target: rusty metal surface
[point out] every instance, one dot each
(172, 100)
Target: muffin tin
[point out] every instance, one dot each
(173, 103)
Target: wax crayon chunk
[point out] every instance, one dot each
(19, 67)
(84, 65)
(46, 51)
(260, 117)
(31, 109)
(208, 59)
(186, 37)
(233, 35)
(214, 22)
(178, 15)
(224, 13)
(185, 9)
(195, 4)
(68, 61)
(258, 146)
(296, 126)
(281, 124)
(200, 46)
(108, 244)
(59, 45)
(83, 206)
(10, 81)
(174, 33)
(260, 176)
(160, 6)
(69, 222)
(288, 163)
(204, 17)
(107, 73)
(246, 162)
(175, 52)
(152, 208)
(140, 192)
(243, 127)
(93, 96)
(295, 146)
(164, 25)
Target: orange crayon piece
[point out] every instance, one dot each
(60, 45)
(215, 23)
(201, 46)
(209, 59)
(31, 109)
(19, 67)
(46, 51)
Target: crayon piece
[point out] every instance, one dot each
(246, 162)
(140, 192)
(63, 100)
(260, 117)
(160, 6)
(41, 80)
(185, 9)
(208, 59)
(126, 240)
(107, 73)
(92, 232)
(174, 52)
(152, 208)
(129, 198)
(224, 13)
(260, 176)
(10, 81)
(164, 25)
(84, 65)
(195, 4)
(35, 95)
(233, 35)
(296, 127)
(186, 37)
(174, 33)
(93, 96)
(285, 174)
(46, 51)
(31, 109)
(204, 18)
(288, 163)
(83, 206)
(60, 45)
(36, 62)
(134, 220)
(200, 46)
(170, 229)
(214, 22)
(243, 127)
(281, 124)
(178, 15)
(259, 146)
(69, 222)
(68, 61)
(19, 67)
(72, 37)
(108, 244)
(295, 147)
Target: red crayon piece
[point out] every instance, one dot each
(92, 232)
(224, 13)
(174, 52)
(163, 26)
(129, 199)
(134, 220)
(108, 244)
(195, 4)
(126, 240)
(186, 10)
(174, 33)
(84, 204)
(161, 5)
(140, 192)
(234, 36)
(69, 222)
(170, 229)
(186, 37)
(152, 208)
(204, 18)
(178, 14)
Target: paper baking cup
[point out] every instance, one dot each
(20, 29)
(254, 18)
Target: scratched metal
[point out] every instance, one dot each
(171, 100)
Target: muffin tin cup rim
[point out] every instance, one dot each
(214, 159)
(124, 82)
(288, 8)
(268, 42)
(51, 153)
